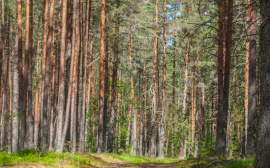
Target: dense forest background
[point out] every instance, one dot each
(177, 78)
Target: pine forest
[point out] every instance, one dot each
(165, 81)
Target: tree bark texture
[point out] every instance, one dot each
(263, 129)
(101, 78)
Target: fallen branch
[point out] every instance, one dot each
(212, 163)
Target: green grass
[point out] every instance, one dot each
(142, 159)
(240, 163)
(217, 163)
(32, 155)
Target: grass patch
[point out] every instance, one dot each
(142, 159)
(217, 163)
(32, 155)
(240, 163)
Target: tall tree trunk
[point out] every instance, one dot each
(101, 78)
(154, 102)
(9, 100)
(263, 134)
(29, 58)
(182, 151)
(74, 83)
(221, 118)
(202, 120)
(61, 87)
(46, 103)
(16, 84)
(21, 86)
(37, 95)
(45, 64)
(173, 96)
(62, 132)
(192, 110)
(162, 117)
(85, 53)
(250, 96)
(132, 110)
(196, 107)
(91, 81)
(119, 111)
(227, 65)
(114, 84)
(106, 85)
(79, 55)
(145, 108)
(4, 142)
(231, 114)
(54, 79)
(141, 120)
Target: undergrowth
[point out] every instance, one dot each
(217, 163)
(32, 155)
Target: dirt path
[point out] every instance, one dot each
(138, 165)
(110, 162)
(100, 160)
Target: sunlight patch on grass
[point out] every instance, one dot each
(142, 159)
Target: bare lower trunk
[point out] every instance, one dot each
(132, 111)
(114, 87)
(221, 135)
(9, 100)
(15, 101)
(37, 109)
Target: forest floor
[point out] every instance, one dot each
(97, 161)
(32, 159)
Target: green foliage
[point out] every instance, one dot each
(32, 155)
(216, 163)
(207, 146)
(240, 163)
(142, 159)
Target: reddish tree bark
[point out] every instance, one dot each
(114, 84)
(101, 79)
